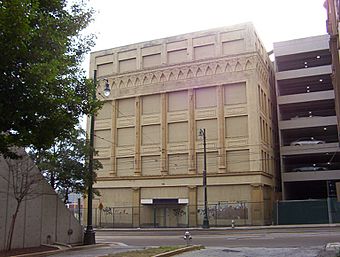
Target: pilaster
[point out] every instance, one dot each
(191, 132)
(221, 130)
(164, 135)
(139, 59)
(113, 137)
(138, 137)
(190, 50)
(257, 204)
(192, 192)
(164, 54)
(136, 207)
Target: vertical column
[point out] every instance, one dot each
(192, 192)
(136, 207)
(218, 45)
(191, 132)
(221, 130)
(164, 54)
(138, 137)
(257, 208)
(115, 63)
(164, 135)
(113, 137)
(190, 50)
(139, 58)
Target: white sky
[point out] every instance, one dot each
(122, 22)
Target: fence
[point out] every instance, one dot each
(219, 214)
(310, 211)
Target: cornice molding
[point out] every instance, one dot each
(179, 72)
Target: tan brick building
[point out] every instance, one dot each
(146, 134)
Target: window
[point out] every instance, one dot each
(235, 93)
(205, 97)
(236, 126)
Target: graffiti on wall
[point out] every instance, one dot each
(225, 210)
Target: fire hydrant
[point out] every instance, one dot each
(187, 237)
(232, 223)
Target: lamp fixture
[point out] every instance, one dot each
(107, 90)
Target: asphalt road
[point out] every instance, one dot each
(292, 237)
(278, 242)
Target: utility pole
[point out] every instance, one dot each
(205, 218)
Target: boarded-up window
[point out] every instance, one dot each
(177, 56)
(178, 163)
(104, 112)
(151, 134)
(106, 163)
(178, 132)
(104, 69)
(206, 51)
(151, 165)
(178, 101)
(238, 161)
(235, 93)
(126, 107)
(151, 104)
(102, 138)
(236, 126)
(151, 60)
(212, 162)
(205, 97)
(233, 47)
(126, 136)
(125, 166)
(210, 128)
(127, 65)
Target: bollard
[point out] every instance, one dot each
(187, 237)
(232, 223)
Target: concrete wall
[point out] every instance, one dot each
(42, 218)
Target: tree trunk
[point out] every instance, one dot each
(66, 196)
(52, 180)
(11, 228)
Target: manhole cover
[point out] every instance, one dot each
(230, 251)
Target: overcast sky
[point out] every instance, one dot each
(122, 22)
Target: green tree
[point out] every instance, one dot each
(64, 165)
(43, 90)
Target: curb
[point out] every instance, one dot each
(52, 252)
(181, 250)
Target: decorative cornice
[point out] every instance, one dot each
(228, 174)
(191, 70)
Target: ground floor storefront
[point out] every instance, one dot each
(183, 206)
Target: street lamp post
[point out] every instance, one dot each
(89, 236)
(205, 218)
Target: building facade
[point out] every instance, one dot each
(309, 146)
(333, 14)
(147, 132)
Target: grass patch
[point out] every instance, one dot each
(147, 252)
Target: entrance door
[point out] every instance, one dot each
(171, 216)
